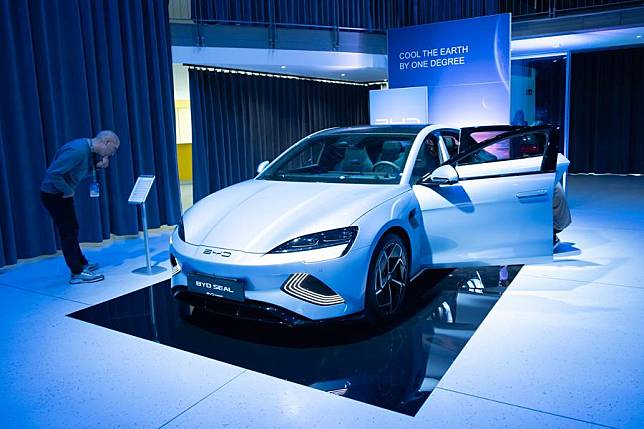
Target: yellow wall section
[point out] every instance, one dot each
(184, 139)
(184, 159)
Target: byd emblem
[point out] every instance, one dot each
(222, 253)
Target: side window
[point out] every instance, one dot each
(524, 146)
(427, 159)
(307, 158)
(451, 144)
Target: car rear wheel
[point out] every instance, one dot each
(387, 280)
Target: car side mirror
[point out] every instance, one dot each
(443, 175)
(262, 166)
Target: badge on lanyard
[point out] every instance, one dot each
(94, 191)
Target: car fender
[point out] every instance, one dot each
(402, 211)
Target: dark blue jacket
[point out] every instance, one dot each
(71, 164)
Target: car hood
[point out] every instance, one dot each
(258, 215)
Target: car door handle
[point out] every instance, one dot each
(532, 194)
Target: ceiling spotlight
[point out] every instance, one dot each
(556, 44)
(282, 67)
(343, 74)
(639, 36)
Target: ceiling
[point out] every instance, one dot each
(364, 67)
(575, 42)
(349, 66)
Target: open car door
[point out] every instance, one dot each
(491, 204)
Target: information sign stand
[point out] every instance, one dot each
(138, 196)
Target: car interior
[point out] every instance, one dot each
(372, 154)
(427, 159)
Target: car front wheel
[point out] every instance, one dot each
(387, 280)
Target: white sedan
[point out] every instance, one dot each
(340, 223)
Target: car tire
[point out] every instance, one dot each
(387, 280)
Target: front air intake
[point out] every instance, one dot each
(307, 288)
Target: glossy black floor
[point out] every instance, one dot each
(395, 367)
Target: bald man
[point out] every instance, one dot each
(73, 162)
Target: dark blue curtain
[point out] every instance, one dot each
(375, 15)
(404, 13)
(606, 112)
(75, 67)
(240, 120)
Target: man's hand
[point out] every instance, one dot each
(69, 196)
(103, 163)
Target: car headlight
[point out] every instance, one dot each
(181, 231)
(319, 240)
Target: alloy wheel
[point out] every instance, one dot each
(390, 278)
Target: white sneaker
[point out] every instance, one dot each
(86, 277)
(90, 266)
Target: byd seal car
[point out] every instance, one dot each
(341, 222)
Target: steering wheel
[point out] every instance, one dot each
(388, 164)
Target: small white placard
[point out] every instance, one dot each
(141, 189)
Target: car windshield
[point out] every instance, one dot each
(344, 158)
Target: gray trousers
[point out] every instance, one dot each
(560, 210)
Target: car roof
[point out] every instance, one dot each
(377, 129)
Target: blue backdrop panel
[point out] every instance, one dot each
(465, 65)
(240, 120)
(78, 67)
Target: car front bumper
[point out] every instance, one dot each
(264, 275)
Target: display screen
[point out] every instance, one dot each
(398, 106)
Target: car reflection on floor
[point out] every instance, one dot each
(394, 367)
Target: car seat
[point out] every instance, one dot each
(450, 145)
(425, 163)
(355, 159)
(392, 151)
